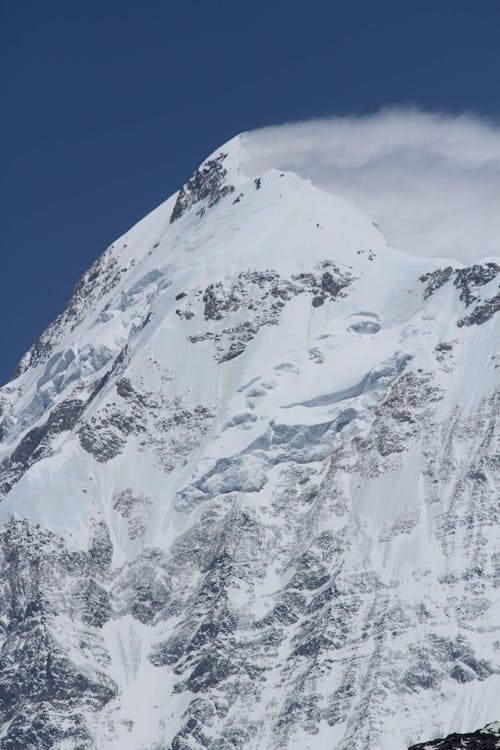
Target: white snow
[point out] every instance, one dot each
(304, 371)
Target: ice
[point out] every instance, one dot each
(316, 512)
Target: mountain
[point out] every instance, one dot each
(250, 481)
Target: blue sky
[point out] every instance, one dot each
(109, 106)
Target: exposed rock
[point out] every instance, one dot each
(37, 443)
(482, 739)
(481, 312)
(434, 280)
(43, 689)
(469, 281)
(261, 296)
(208, 185)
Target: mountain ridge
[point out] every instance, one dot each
(249, 481)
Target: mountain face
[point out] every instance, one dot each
(250, 482)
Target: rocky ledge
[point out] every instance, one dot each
(487, 738)
(207, 184)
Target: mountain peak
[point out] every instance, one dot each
(247, 481)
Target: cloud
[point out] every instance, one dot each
(430, 181)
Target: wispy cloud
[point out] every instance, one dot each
(431, 181)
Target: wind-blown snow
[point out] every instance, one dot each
(431, 181)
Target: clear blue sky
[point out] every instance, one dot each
(107, 107)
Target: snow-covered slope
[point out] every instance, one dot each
(250, 483)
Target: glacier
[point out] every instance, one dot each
(249, 485)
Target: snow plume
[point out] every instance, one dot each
(431, 181)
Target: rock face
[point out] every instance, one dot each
(207, 186)
(483, 739)
(249, 488)
(51, 676)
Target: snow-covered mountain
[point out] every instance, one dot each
(250, 482)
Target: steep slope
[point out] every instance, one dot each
(250, 483)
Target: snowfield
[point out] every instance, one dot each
(250, 481)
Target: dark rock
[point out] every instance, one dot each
(102, 444)
(434, 280)
(208, 185)
(468, 279)
(150, 599)
(209, 672)
(43, 728)
(62, 418)
(185, 314)
(37, 443)
(100, 551)
(236, 348)
(124, 388)
(94, 602)
(444, 346)
(483, 739)
(309, 648)
(331, 285)
(481, 313)
(262, 294)
(42, 691)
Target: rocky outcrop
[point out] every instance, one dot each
(207, 186)
(37, 442)
(483, 739)
(254, 300)
(469, 282)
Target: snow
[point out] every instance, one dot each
(430, 181)
(247, 434)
